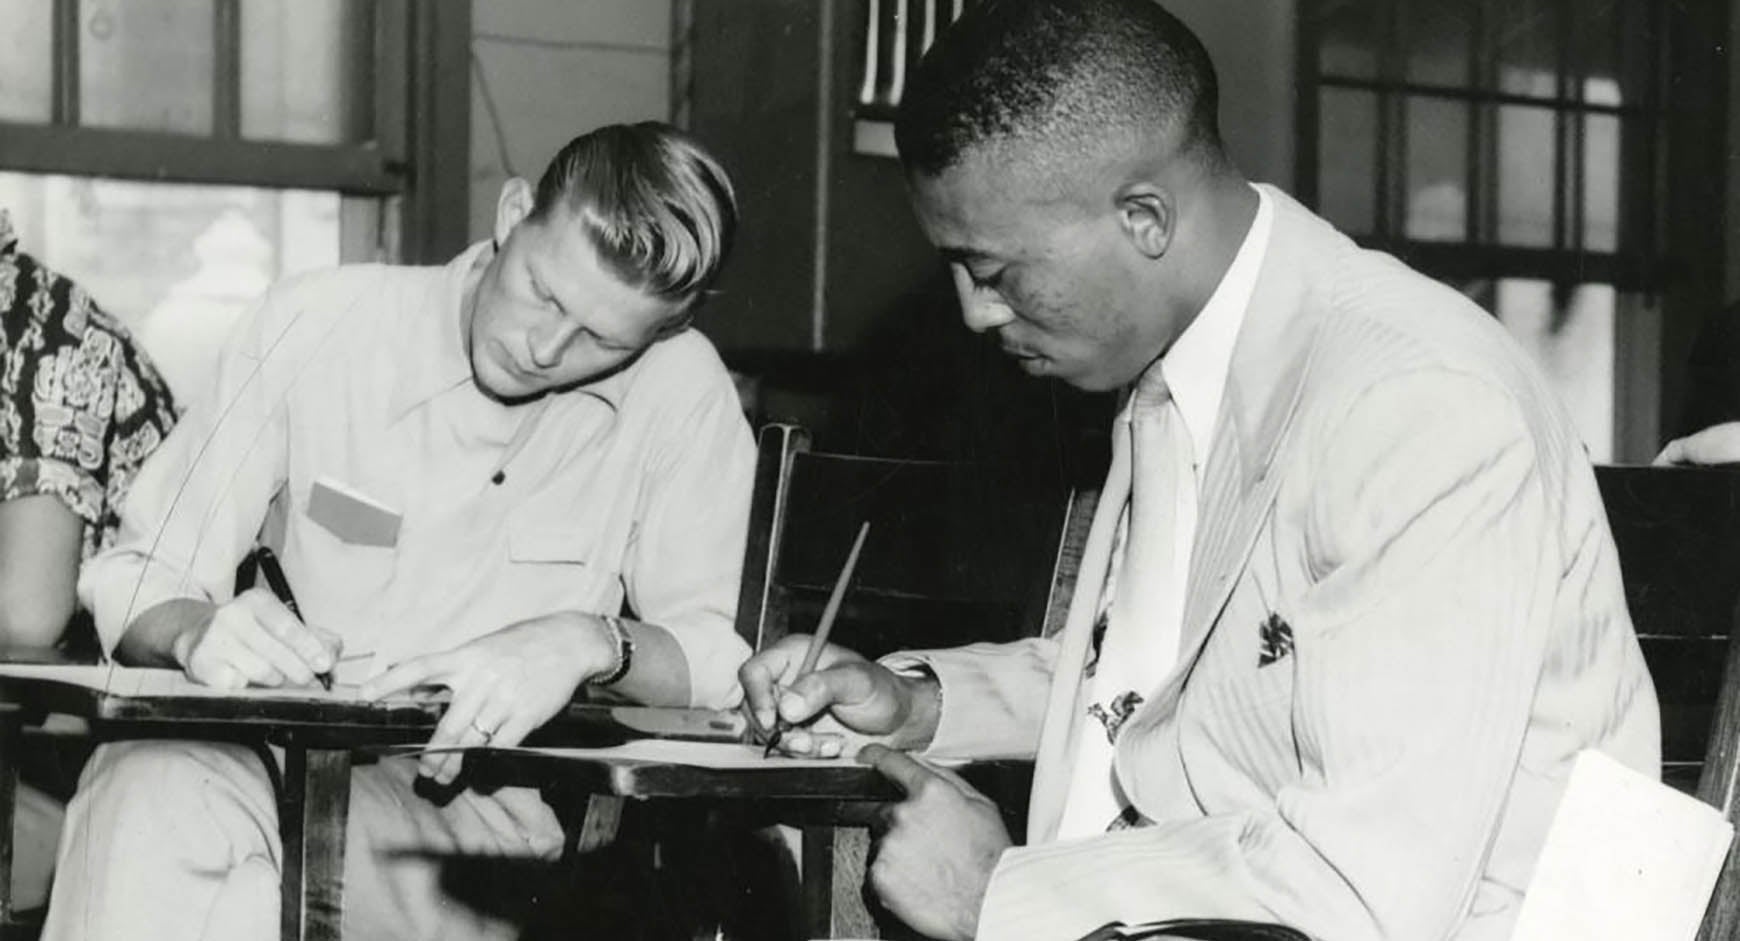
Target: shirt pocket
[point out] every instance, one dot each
(557, 566)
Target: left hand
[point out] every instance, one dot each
(935, 861)
(1717, 444)
(504, 684)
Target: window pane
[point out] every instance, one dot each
(177, 263)
(1438, 37)
(26, 66)
(1437, 169)
(1349, 31)
(1594, 33)
(1571, 338)
(146, 64)
(1526, 54)
(1524, 153)
(299, 59)
(1601, 182)
(1347, 159)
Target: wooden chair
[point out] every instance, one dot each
(957, 553)
(1678, 534)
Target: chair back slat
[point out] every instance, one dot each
(957, 552)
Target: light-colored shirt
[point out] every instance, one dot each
(1195, 369)
(635, 487)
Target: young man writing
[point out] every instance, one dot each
(482, 462)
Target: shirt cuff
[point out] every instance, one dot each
(961, 730)
(117, 586)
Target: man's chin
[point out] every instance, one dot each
(503, 386)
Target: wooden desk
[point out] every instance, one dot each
(317, 738)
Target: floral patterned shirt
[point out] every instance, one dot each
(80, 405)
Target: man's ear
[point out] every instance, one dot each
(512, 207)
(1149, 217)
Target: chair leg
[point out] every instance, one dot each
(835, 864)
(311, 821)
(598, 828)
(10, 735)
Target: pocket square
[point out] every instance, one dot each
(1277, 640)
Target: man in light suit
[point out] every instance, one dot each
(1349, 606)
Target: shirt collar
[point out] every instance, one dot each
(1197, 365)
(434, 359)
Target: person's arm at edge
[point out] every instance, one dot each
(40, 541)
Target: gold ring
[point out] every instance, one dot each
(487, 736)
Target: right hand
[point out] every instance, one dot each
(859, 701)
(253, 639)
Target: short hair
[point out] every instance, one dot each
(1061, 74)
(659, 209)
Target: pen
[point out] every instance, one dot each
(819, 639)
(274, 575)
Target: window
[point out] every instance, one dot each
(178, 156)
(178, 263)
(1530, 152)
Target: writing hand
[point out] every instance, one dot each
(858, 701)
(504, 684)
(943, 841)
(254, 639)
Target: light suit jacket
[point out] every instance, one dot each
(1404, 617)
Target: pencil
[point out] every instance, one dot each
(280, 585)
(819, 639)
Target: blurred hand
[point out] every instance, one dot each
(504, 684)
(1717, 444)
(934, 863)
(253, 639)
(852, 700)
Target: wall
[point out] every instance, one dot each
(550, 69)
(1252, 43)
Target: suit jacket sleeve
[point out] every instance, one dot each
(1418, 645)
(993, 696)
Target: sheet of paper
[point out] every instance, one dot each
(1626, 857)
(148, 681)
(717, 756)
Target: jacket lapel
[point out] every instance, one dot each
(1270, 363)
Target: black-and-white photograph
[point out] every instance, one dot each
(928, 470)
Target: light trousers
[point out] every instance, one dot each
(179, 840)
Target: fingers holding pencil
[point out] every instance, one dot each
(819, 640)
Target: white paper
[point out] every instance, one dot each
(1626, 857)
(150, 681)
(716, 756)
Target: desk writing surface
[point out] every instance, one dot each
(146, 695)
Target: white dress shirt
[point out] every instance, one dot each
(1195, 371)
(636, 486)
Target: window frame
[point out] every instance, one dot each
(1667, 263)
(413, 152)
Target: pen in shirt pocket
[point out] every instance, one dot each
(275, 580)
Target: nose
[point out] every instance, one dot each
(982, 309)
(549, 341)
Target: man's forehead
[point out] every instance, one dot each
(988, 208)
